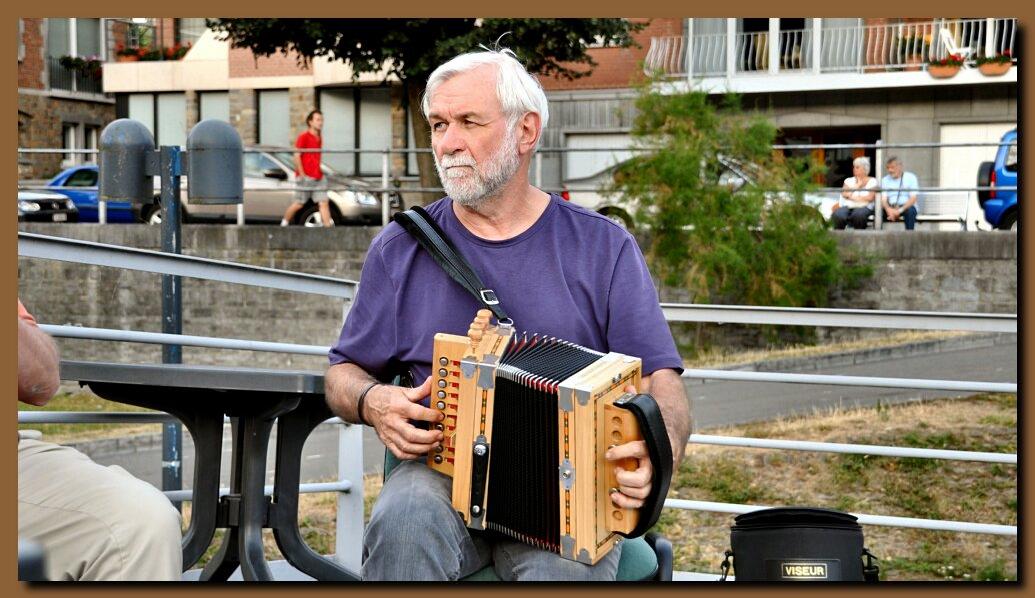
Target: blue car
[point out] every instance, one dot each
(79, 183)
(1000, 206)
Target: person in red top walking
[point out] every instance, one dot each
(309, 178)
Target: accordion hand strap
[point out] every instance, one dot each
(419, 223)
(652, 426)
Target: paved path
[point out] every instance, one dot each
(715, 403)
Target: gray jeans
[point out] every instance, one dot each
(414, 534)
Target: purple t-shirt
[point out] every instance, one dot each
(574, 274)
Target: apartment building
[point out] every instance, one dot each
(58, 106)
(823, 81)
(266, 99)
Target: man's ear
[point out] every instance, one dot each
(529, 131)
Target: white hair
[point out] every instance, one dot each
(517, 90)
(862, 161)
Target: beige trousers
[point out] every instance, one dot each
(95, 523)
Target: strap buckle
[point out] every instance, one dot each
(488, 297)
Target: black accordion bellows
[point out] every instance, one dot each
(523, 482)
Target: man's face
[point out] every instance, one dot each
(895, 169)
(475, 149)
(317, 122)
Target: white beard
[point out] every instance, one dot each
(471, 184)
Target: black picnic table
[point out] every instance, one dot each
(200, 397)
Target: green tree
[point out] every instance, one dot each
(727, 238)
(411, 49)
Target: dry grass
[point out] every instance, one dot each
(86, 401)
(317, 516)
(908, 487)
(923, 488)
(716, 357)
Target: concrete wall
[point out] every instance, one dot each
(937, 271)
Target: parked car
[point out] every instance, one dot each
(1000, 206)
(45, 206)
(79, 183)
(269, 181)
(733, 175)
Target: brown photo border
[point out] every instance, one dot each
(574, 8)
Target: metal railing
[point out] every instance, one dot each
(939, 203)
(859, 48)
(70, 79)
(32, 245)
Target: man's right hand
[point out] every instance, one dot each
(390, 409)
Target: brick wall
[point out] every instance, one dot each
(30, 68)
(245, 64)
(936, 271)
(617, 67)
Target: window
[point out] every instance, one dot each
(68, 141)
(375, 126)
(82, 178)
(189, 30)
(21, 40)
(274, 118)
(339, 127)
(256, 165)
(214, 104)
(91, 134)
(172, 119)
(141, 107)
(358, 117)
(73, 37)
(164, 114)
(88, 37)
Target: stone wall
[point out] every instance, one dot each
(927, 271)
(40, 118)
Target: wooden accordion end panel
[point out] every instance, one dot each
(528, 420)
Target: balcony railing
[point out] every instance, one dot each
(857, 49)
(70, 79)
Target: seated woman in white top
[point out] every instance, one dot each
(857, 195)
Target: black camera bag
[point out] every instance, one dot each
(798, 544)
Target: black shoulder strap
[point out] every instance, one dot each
(423, 227)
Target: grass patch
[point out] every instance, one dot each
(86, 401)
(907, 487)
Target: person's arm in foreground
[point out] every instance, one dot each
(38, 378)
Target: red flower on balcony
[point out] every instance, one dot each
(950, 60)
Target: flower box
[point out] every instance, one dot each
(127, 58)
(942, 71)
(994, 69)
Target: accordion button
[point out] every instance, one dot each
(443, 361)
(441, 383)
(442, 372)
(440, 427)
(441, 404)
(438, 458)
(441, 394)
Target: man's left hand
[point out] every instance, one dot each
(633, 485)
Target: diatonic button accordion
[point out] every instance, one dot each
(527, 421)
